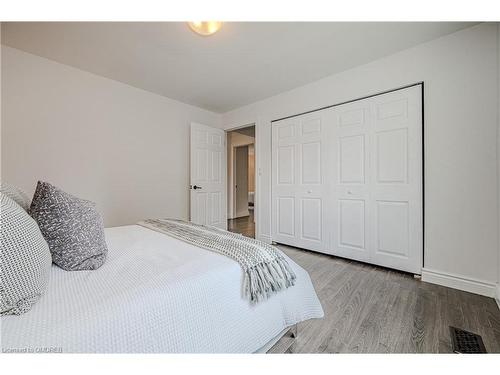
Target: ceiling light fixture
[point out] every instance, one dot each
(205, 28)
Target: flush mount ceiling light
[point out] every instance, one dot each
(205, 28)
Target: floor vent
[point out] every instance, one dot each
(466, 342)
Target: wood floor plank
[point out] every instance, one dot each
(391, 332)
(355, 311)
(367, 337)
(370, 309)
(374, 310)
(331, 295)
(425, 322)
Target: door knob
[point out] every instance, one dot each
(197, 187)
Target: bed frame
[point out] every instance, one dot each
(273, 347)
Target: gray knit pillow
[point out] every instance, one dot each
(25, 259)
(16, 194)
(72, 227)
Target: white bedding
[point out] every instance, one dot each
(156, 294)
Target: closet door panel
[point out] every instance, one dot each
(396, 175)
(285, 165)
(392, 220)
(284, 179)
(392, 156)
(286, 216)
(310, 190)
(310, 163)
(299, 164)
(349, 181)
(352, 159)
(311, 212)
(352, 214)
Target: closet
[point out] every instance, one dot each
(348, 180)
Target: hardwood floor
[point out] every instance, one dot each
(369, 309)
(243, 225)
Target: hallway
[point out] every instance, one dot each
(243, 225)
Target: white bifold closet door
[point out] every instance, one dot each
(300, 188)
(363, 188)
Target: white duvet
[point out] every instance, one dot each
(156, 294)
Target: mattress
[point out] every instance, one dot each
(156, 294)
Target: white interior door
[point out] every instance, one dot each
(369, 191)
(396, 180)
(350, 166)
(299, 191)
(208, 176)
(378, 181)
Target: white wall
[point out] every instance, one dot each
(461, 100)
(498, 158)
(122, 147)
(1, 102)
(234, 139)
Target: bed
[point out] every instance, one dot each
(156, 294)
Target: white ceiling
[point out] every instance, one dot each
(242, 63)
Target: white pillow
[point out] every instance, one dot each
(16, 194)
(25, 259)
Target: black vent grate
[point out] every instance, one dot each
(466, 342)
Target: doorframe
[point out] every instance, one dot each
(256, 209)
(233, 166)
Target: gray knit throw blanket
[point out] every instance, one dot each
(266, 270)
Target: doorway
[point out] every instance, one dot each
(241, 180)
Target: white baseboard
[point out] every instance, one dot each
(497, 298)
(466, 284)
